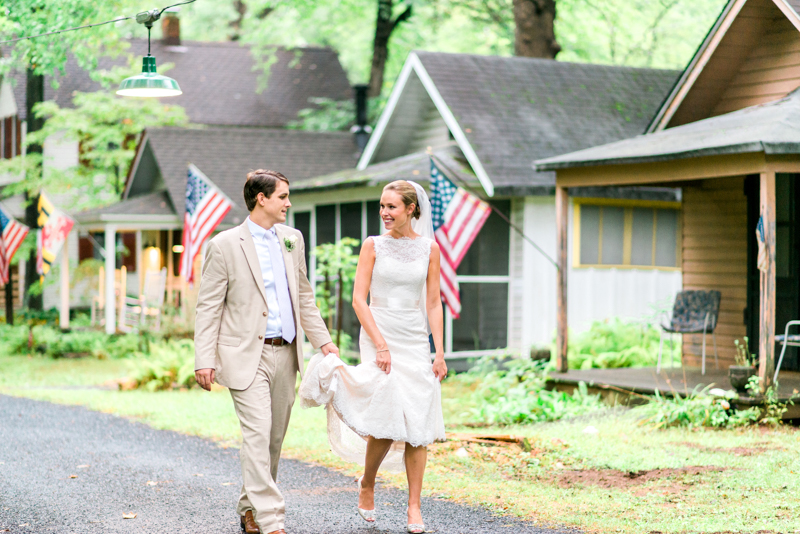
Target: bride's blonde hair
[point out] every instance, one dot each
(407, 192)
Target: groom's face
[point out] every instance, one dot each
(274, 208)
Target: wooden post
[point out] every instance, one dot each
(109, 244)
(63, 315)
(766, 349)
(562, 225)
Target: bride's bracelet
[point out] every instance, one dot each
(383, 350)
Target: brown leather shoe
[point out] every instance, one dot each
(249, 525)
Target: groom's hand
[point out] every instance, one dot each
(329, 348)
(204, 377)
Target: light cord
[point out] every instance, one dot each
(118, 19)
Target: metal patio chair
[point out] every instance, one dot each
(787, 341)
(694, 312)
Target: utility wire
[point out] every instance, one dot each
(118, 19)
(451, 174)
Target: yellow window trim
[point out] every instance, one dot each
(627, 203)
(627, 239)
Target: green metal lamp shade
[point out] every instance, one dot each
(149, 83)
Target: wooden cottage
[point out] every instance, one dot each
(726, 135)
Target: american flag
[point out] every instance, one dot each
(457, 216)
(206, 206)
(11, 235)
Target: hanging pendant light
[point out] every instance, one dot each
(149, 83)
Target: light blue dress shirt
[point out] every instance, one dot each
(260, 237)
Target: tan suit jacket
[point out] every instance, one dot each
(232, 306)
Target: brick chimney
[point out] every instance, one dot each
(171, 28)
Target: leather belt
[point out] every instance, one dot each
(380, 302)
(277, 341)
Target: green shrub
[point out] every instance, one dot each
(512, 390)
(169, 365)
(616, 343)
(697, 409)
(14, 339)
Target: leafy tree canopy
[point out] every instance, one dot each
(19, 18)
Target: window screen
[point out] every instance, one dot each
(642, 237)
(484, 317)
(619, 235)
(374, 223)
(488, 255)
(351, 221)
(666, 238)
(326, 224)
(302, 222)
(590, 234)
(612, 234)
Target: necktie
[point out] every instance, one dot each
(281, 287)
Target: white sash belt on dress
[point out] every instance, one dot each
(380, 302)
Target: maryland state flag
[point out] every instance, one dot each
(54, 226)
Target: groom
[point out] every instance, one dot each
(254, 298)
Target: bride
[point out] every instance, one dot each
(388, 409)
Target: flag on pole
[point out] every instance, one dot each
(458, 216)
(54, 226)
(206, 206)
(11, 235)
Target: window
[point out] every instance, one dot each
(627, 233)
(483, 280)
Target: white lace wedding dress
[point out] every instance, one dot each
(405, 405)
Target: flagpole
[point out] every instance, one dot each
(451, 174)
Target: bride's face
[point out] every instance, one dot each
(394, 213)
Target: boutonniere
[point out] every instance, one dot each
(290, 242)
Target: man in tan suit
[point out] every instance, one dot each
(254, 299)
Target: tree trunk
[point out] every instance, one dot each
(384, 27)
(34, 93)
(534, 35)
(236, 24)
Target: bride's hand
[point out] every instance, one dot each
(439, 368)
(384, 360)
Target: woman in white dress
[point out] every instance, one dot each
(388, 409)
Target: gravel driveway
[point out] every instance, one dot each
(68, 469)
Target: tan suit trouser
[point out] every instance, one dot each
(264, 409)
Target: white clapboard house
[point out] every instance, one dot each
(486, 119)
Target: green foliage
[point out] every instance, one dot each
(743, 356)
(336, 264)
(107, 127)
(640, 33)
(20, 18)
(512, 390)
(33, 338)
(169, 365)
(332, 115)
(773, 409)
(695, 410)
(615, 343)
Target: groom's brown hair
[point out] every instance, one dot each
(261, 181)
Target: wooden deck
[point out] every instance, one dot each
(625, 386)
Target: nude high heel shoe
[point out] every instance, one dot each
(415, 528)
(367, 515)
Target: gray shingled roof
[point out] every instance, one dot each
(516, 110)
(226, 155)
(157, 203)
(219, 82)
(415, 167)
(771, 128)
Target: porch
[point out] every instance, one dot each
(734, 170)
(623, 386)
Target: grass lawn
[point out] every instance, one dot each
(604, 473)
